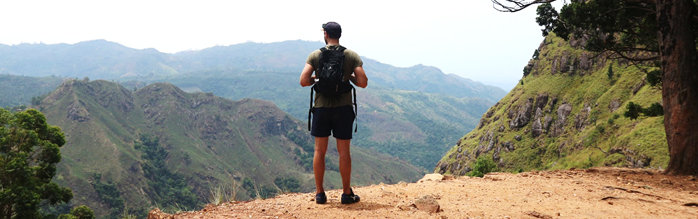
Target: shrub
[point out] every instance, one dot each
(288, 184)
(600, 129)
(654, 110)
(483, 166)
(536, 53)
(654, 77)
(526, 70)
(632, 110)
(83, 212)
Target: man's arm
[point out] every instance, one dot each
(359, 77)
(307, 78)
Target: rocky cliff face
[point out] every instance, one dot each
(567, 112)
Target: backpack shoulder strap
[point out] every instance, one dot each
(310, 111)
(356, 111)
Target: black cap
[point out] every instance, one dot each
(333, 29)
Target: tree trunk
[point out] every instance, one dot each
(677, 49)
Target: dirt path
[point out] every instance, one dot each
(592, 193)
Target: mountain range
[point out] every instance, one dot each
(403, 109)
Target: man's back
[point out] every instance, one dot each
(351, 61)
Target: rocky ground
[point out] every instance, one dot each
(591, 193)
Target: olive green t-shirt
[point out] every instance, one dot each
(351, 61)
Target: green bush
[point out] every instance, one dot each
(67, 216)
(255, 191)
(600, 129)
(483, 166)
(536, 53)
(654, 110)
(166, 188)
(526, 70)
(83, 212)
(632, 111)
(654, 77)
(109, 194)
(288, 184)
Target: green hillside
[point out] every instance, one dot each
(568, 111)
(19, 90)
(120, 142)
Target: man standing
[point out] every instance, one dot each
(333, 113)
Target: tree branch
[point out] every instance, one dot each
(515, 5)
(642, 1)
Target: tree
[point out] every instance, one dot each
(29, 152)
(83, 212)
(632, 111)
(663, 31)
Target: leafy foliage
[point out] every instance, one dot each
(258, 191)
(83, 212)
(654, 77)
(288, 184)
(109, 194)
(29, 152)
(536, 53)
(655, 109)
(548, 18)
(166, 187)
(483, 166)
(633, 110)
(612, 25)
(526, 71)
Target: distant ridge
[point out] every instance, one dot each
(101, 59)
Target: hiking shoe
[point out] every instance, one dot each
(320, 198)
(350, 198)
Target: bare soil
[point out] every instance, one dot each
(591, 193)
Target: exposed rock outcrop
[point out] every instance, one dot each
(78, 112)
(562, 112)
(521, 115)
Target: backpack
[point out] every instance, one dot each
(330, 75)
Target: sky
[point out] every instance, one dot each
(467, 38)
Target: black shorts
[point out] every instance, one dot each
(338, 121)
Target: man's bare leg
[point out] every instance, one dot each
(319, 162)
(344, 163)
